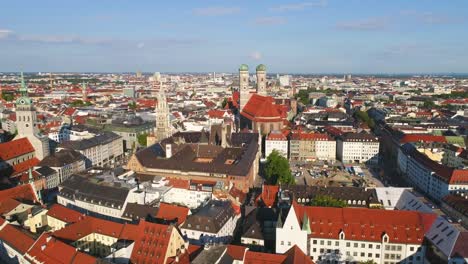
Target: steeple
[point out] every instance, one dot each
(306, 224)
(163, 125)
(30, 176)
(83, 91)
(23, 88)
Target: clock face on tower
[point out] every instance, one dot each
(22, 101)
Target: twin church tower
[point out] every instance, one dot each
(244, 83)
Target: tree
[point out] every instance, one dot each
(132, 105)
(364, 117)
(429, 104)
(7, 97)
(142, 139)
(303, 96)
(277, 169)
(327, 201)
(224, 103)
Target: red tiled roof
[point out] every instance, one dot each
(262, 108)
(269, 193)
(64, 214)
(296, 256)
(87, 226)
(236, 252)
(24, 166)
(15, 148)
(299, 135)
(171, 212)
(333, 131)
(21, 192)
(213, 113)
(48, 249)
(422, 138)
(7, 205)
(151, 242)
(179, 183)
(276, 135)
(366, 224)
(15, 238)
(460, 248)
(263, 258)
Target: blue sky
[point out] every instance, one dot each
(315, 36)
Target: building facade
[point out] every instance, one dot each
(354, 234)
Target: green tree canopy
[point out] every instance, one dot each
(142, 139)
(224, 103)
(132, 105)
(364, 117)
(327, 201)
(8, 97)
(277, 169)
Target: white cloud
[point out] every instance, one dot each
(270, 21)
(256, 55)
(299, 6)
(141, 45)
(370, 24)
(215, 11)
(4, 33)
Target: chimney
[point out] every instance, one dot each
(48, 239)
(43, 247)
(168, 151)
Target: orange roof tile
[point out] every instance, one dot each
(48, 249)
(15, 238)
(151, 242)
(366, 224)
(263, 258)
(269, 193)
(170, 212)
(64, 214)
(15, 148)
(21, 192)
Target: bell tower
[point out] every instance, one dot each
(26, 123)
(244, 85)
(261, 80)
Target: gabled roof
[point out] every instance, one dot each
(15, 238)
(151, 242)
(262, 108)
(252, 257)
(15, 148)
(87, 226)
(366, 224)
(269, 194)
(64, 214)
(170, 212)
(296, 256)
(48, 249)
(426, 138)
(23, 192)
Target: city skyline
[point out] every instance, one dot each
(287, 36)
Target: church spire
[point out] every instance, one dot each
(23, 89)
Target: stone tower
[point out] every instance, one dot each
(163, 125)
(26, 123)
(261, 80)
(84, 92)
(244, 85)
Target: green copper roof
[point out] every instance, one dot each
(456, 140)
(261, 67)
(23, 89)
(306, 224)
(244, 67)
